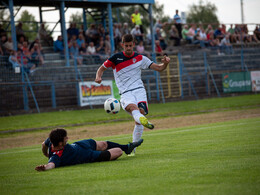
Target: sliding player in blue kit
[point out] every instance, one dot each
(60, 153)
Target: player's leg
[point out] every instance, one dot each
(129, 102)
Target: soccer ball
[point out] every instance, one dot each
(112, 106)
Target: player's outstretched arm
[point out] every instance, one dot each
(99, 74)
(45, 167)
(161, 67)
(45, 150)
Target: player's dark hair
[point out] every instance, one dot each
(128, 38)
(57, 135)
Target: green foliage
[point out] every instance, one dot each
(99, 115)
(219, 158)
(29, 24)
(203, 13)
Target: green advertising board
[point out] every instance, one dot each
(236, 82)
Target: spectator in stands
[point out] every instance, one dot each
(158, 24)
(26, 50)
(158, 49)
(1, 51)
(174, 36)
(101, 47)
(107, 45)
(218, 33)
(136, 32)
(80, 40)
(44, 35)
(36, 41)
(24, 61)
(225, 45)
(158, 36)
(209, 29)
(21, 39)
(19, 31)
(178, 23)
(136, 20)
(74, 53)
(117, 36)
(83, 50)
(192, 31)
(125, 29)
(91, 48)
(8, 46)
(102, 32)
(13, 59)
(141, 50)
(72, 30)
(202, 37)
(185, 34)
(257, 32)
(58, 45)
(36, 55)
(92, 34)
(211, 40)
(233, 36)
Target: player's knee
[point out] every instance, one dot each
(101, 146)
(115, 153)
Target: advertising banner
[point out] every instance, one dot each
(96, 94)
(236, 82)
(255, 78)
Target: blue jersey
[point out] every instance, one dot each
(83, 151)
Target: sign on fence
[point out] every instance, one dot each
(236, 82)
(255, 78)
(96, 94)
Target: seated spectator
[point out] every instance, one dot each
(92, 34)
(225, 45)
(36, 55)
(26, 50)
(233, 36)
(3, 40)
(209, 29)
(24, 61)
(140, 49)
(13, 59)
(91, 48)
(107, 45)
(125, 29)
(136, 32)
(158, 36)
(211, 40)
(83, 50)
(36, 41)
(8, 46)
(72, 30)
(201, 37)
(257, 32)
(218, 34)
(44, 35)
(185, 34)
(174, 36)
(80, 40)
(20, 32)
(58, 45)
(158, 24)
(101, 47)
(158, 49)
(117, 36)
(74, 53)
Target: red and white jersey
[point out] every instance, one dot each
(127, 70)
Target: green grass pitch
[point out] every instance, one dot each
(218, 158)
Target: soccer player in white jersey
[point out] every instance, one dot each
(127, 67)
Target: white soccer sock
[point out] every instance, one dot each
(136, 115)
(138, 131)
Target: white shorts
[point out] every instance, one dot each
(136, 97)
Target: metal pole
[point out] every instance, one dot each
(84, 20)
(242, 11)
(109, 7)
(11, 9)
(40, 13)
(64, 33)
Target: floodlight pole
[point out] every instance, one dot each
(242, 11)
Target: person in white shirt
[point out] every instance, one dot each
(127, 67)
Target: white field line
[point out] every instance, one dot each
(153, 134)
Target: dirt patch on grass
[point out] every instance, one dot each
(32, 138)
